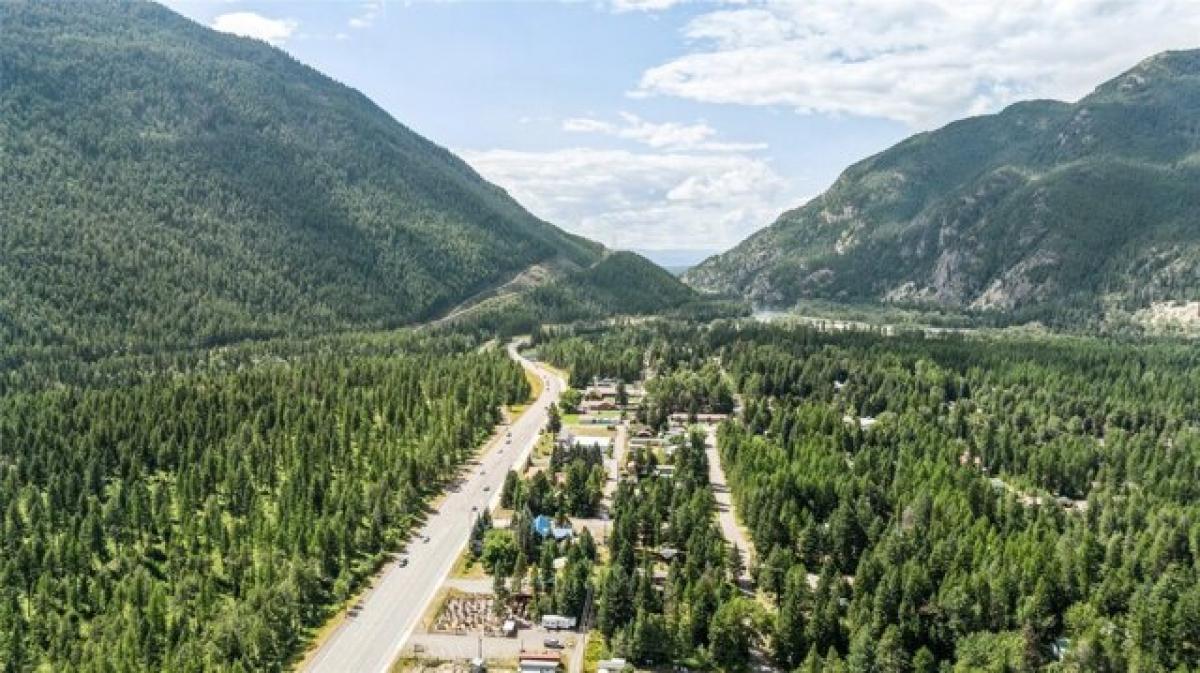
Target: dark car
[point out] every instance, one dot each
(553, 643)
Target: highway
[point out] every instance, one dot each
(371, 640)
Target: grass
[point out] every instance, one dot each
(544, 447)
(535, 384)
(562, 373)
(435, 607)
(410, 663)
(467, 567)
(590, 431)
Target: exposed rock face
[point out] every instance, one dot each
(1047, 210)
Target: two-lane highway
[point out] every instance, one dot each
(370, 641)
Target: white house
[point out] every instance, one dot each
(611, 666)
(538, 662)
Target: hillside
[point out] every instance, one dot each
(1066, 213)
(170, 186)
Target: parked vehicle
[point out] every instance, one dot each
(553, 643)
(557, 622)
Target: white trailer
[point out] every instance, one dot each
(557, 622)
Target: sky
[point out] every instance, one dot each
(678, 128)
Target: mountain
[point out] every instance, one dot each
(166, 185)
(1053, 211)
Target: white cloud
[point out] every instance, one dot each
(367, 16)
(643, 5)
(249, 24)
(622, 6)
(642, 200)
(667, 135)
(923, 63)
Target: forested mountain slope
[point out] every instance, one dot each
(1047, 210)
(167, 185)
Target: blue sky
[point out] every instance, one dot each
(678, 128)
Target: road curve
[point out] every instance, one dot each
(372, 640)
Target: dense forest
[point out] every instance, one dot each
(948, 502)
(206, 519)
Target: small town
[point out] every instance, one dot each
(521, 597)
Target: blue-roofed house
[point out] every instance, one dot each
(544, 526)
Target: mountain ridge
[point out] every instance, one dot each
(1069, 213)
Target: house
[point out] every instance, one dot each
(611, 666)
(545, 527)
(538, 662)
(665, 471)
(598, 405)
(700, 418)
(567, 439)
(602, 443)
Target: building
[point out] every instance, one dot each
(538, 662)
(681, 417)
(612, 666)
(568, 439)
(557, 622)
(545, 527)
(598, 405)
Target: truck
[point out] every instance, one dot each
(557, 622)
